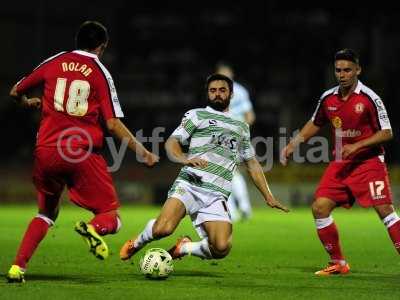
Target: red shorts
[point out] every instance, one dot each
(85, 175)
(365, 181)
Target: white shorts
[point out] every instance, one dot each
(199, 205)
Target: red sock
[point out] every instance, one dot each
(330, 239)
(36, 231)
(394, 232)
(105, 223)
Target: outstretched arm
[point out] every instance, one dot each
(257, 175)
(117, 128)
(175, 153)
(309, 130)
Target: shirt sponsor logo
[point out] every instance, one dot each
(336, 122)
(383, 117)
(332, 108)
(359, 108)
(379, 104)
(111, 85)
(349, 133)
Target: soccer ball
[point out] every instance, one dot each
(156, 263)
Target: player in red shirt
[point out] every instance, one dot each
(79, 98)
(360, 125)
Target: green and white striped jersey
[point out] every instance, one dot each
(217, 138)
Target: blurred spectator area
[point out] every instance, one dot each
(160, 54)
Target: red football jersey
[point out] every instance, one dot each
(353, 120)
(79, 94)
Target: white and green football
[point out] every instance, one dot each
(156, 263)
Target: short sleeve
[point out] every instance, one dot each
(379, 115)
(37, 76)
(319, 117)
(246, 150)
(187, 127)
(107, 93)
(30, 81)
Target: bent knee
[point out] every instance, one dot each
(220, 249)
(320, 209)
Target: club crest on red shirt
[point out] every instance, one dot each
(337, 122)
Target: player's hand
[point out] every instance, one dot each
(272, 202)
(348, 150)
(32, 103)
(285, 153)
(196, 162)
(150, 159)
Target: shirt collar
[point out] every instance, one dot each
(85, 53)
(357, 90)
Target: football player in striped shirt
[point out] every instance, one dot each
(240, 108)
(217, 143)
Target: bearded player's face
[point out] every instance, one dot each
(219, 95)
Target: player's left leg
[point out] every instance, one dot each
(391, 220)
(49, 188)
(331, 192)
(213, 224)
(329, 236)
(37, 229)
(216, 242)
(371, 186)
(322, 208)
(34, 234)
(219, 238)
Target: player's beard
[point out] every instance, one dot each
(218, 105)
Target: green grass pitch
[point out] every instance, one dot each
(273, 257)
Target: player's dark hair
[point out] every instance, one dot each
(215, 77)
(347, 54)
(91, 34)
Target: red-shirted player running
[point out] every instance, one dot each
(79, 96)
(360, 125)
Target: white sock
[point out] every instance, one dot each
(199, 249)
(146, 235)
(324, 222)
(342, 262)
(49, 221)
(391, 219)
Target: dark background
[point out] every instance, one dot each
(160, 54)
